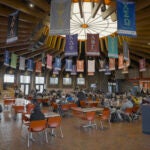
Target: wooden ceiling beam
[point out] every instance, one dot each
(140, 54)
(142, 4)
(96, 8)
(41, 4)
(80, 2)
(5, 11)
(18, 5)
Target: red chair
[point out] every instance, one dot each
(18, 109)
(53, 123)
(83, 104)
(128, 113)
(37, 126)
(105, 116)
(90, 117)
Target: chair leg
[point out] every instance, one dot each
(109, 123)
(101, 125)
(61, 132)
(46, 136)
(95, 124)
(28, 139)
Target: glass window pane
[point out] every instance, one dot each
(53, 81)
(9, 78)
(39, 80)
(67, 81)
(24, 79)
(80, 81)
(26, 89)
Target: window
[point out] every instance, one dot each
(53, 81)
(24, 79)
(39, 80)
(80, 81)
(67, 81)
(9, 78)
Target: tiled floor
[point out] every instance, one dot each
(121, 136)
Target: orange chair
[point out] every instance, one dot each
(37, 126)
(105, 116)
(128, 113)
(53, 123)
(9, 102)
(90, 117)
(83, 104)
(18, 109)
(65, 109)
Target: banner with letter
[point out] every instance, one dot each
(126, 18)
(13, 63)
(60, 17)
(30, 65)
(57, 64)
(80, 65)
(92, 45)
(6, 58)
(107, 71)
(74, 70)
(38, 67)
(71, 47)
(12, 33)
(49, 61)
(120, 61)
(142, 65)
(102, 65)
(111, 63)
(125, 51)
(112, 47)
(22, 63)
(68, 65)
(91, 65)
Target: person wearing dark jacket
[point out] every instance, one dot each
(37, 114)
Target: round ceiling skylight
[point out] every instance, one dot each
(87, 24)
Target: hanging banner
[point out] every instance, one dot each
(13, 63)
(112, 64)
(49, 61)
(57, 64)
(12, 33)
(92, 45)
(55, 71)
(6, 58)
(30, 65)
(90, 73)
(74, 70)
(22, 63)
(43, 59)
(91, 65)
(71, 47)
(112, 47)
(60, 17)
(120, 61)
(107, 71)
(125, 70)
(102, 65)
(38, 67)
(142, 65)
(80, 65)
(68, 65)
(126, 18)
(125, 51)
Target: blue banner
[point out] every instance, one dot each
(6, 58)
(68, 66)
(30, 65)
(71, 47)
(57, 64)
(112, 47)
(60, 17)
(107, 71)
(74, 70)
(126, 18)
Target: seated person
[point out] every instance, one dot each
(37, 114)
(69, 98)
(126, 104)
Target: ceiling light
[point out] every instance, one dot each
(31, 5)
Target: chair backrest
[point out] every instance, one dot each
(135, 108)
(129, 110)
(65, 107)
(72, 105)
(37, 126)
(90, 115)
(82, 103)
(54, 122)
(105, 113)
(19, 109)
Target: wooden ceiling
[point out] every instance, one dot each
(33, 20)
